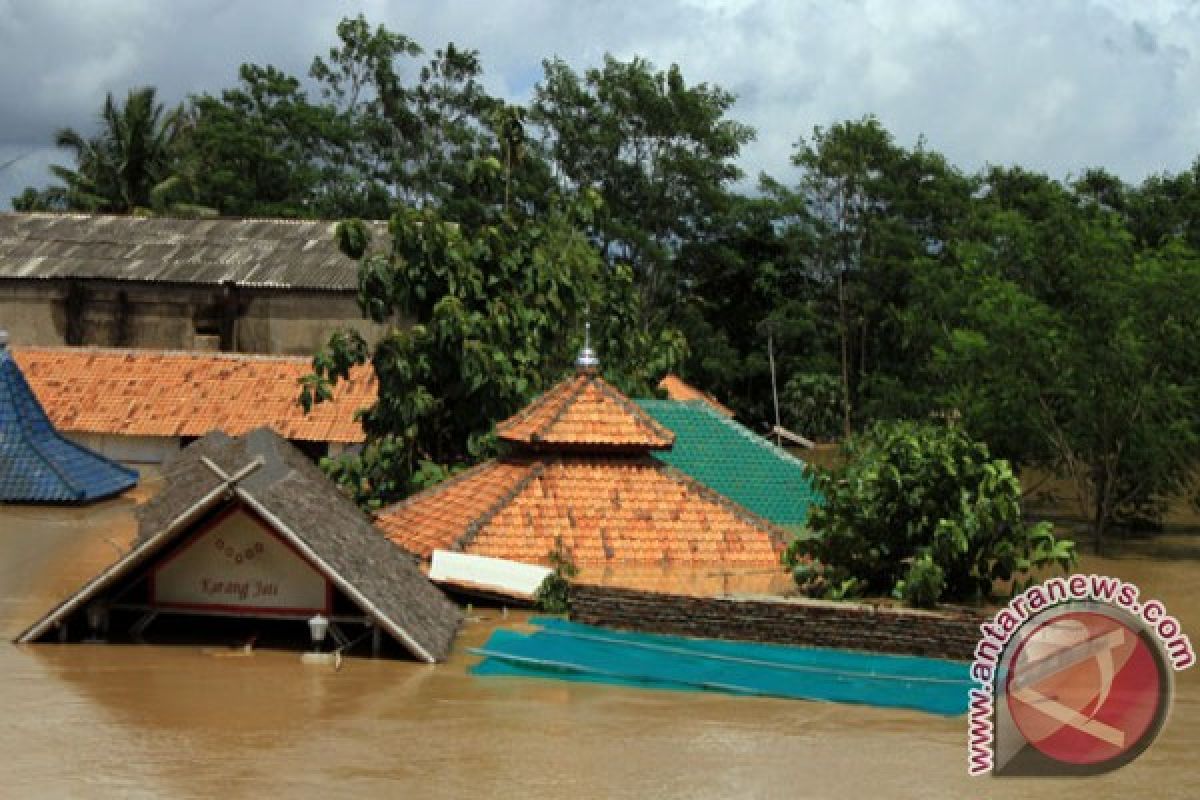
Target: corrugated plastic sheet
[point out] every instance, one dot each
(570, 651)
(734, 461)
(37, 465)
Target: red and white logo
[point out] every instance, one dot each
(1085, 688)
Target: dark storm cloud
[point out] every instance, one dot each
(1056, 86)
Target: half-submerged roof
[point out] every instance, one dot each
(38, 465)
(734, 461)
(606, 511)
(678, 389)
(171, 393)
(584, 412)
(304, 508)
(252, 253)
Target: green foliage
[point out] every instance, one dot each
(923, 584)
(480, 317)
(127, 167)
(554, 595)
(1057, 320)
(811, 403)
(659, 153)
(924, 513)
(1067, 348)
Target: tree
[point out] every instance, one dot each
(876, 214)
(661, 155)
(264, 148)
(481, 316)
(416, 137)
(924, 513)
(1068, 349)
(128, 166)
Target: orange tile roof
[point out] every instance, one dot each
(677, 389)
(165, 393)
(585, 411)
(608, 511)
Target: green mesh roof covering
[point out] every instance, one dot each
(734, 461)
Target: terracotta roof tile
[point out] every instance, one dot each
(164, 393)
(584, 411)
(607, 510)
(677, 389)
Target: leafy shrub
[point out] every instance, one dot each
(923, 584)
(553, 596)
(924, 513)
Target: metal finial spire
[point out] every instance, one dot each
(587, 360)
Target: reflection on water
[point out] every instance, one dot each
(93, 721)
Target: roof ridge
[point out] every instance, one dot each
(181, 218)
(526, 410)
(636, 411)
(743, 431)
(778, 534)
(736, 427)
(571, 397)
(147, 351)
(536, 469)
(459, 477)
(22, 426)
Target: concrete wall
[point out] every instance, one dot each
(177, 317)
(813, 623)
(133, 451)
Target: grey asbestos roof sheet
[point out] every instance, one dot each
(254, 253)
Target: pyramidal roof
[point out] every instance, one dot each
(38, 465)
(585, 412)
(583, 477)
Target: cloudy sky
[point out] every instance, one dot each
(1056, 86)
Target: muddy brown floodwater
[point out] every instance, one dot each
(90, 721)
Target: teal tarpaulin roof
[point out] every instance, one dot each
(38, 465)
(734, 461)
(570, 651)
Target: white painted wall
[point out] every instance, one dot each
(131, 450)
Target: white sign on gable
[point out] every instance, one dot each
(239, 564)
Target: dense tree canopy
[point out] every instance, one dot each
(1056, 320)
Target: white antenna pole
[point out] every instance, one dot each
(774, 389)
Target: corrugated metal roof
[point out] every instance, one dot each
(254, 253)
(37, 465)
(734, 461)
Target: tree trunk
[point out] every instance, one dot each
(1100, 518)
(843, 329)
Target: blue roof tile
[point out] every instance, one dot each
(38, 465)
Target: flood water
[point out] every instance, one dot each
(92, 721)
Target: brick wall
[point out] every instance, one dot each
(951, 634)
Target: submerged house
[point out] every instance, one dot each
(142, 406)
(37, 464)
(249, 541)
(581, 471)
(236, 285)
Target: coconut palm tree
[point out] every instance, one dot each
(129, 165)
